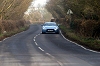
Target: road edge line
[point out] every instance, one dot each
(77, 44)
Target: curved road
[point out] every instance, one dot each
(31, 48)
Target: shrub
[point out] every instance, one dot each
(10, 25)
(96, 31)
(76, 24)
(88, 27)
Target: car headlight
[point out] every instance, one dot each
(44, 28)
(56, 28)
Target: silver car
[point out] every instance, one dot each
(50, 27)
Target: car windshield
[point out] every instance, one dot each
(50, 24)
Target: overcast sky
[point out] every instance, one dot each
(36, 3)
(39, 2)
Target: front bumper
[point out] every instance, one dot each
(50, 31)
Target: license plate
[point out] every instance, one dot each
(50, 30)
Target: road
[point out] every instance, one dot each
(31, 48)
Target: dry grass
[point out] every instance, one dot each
(88, 42)
(10, 27)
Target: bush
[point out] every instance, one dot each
(88, 27)
(76, 24)
(96, 32)
(88, 42)
(10, 25)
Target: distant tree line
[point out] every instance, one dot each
(85, 18)
(38, 14)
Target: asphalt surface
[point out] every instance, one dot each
(31, 48)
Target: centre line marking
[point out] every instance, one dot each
(36, 44)
(60, 63)
(34, 39)
(45, 52)
(40, 48)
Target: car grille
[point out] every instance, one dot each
(50, 30)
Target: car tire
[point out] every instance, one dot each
(57, 32)
(43, 32)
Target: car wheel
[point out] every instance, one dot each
(57, 32)
(43, 32)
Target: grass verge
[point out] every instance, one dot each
(8, 34)
(87, 42)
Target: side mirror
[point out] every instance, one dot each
(41, 24)
(58, 24)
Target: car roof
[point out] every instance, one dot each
(51, 22)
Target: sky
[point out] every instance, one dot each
(39, 2)
(35, 4)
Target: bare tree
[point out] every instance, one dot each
(13, 9)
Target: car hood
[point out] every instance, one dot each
(50, 27)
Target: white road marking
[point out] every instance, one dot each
(47, 53)
(55, 58)
(11, 36)
(40, 48)
(78, 44)
(4, 39)
(36, 44)
(34, 37)
(50, 55)
(34, 40)
(60, 63)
